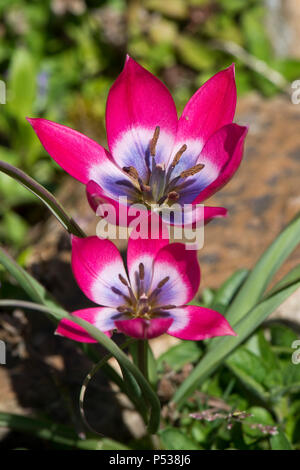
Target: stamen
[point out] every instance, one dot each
(163, 282)
(131, 171)
(123, 280)
(144, 187)
(192, 171)
(160, 313)
(118, 292)
(153, 294)
(162, 199)
(162, 308)
(142, 271)
(178, 155)
(153, 141)
(122, 309)
(173, 196)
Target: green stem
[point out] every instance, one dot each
(143, 357)
(47, 198)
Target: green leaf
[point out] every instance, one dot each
(226, 345)
(174, 9)
(22, 84)
(259, 416)
(228, 290)
(266, 352)
(250, 370)
(288, 279)
(255, 32)
(15, 228)
(173, 439)
(207, 297)
(280, 442)
(194, 54)
(282, 336)
(179, 355)
(233, 5)
(57, 433)
(152, 367)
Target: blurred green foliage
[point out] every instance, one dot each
(58, 59)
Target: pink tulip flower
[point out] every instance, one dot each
(151, 300)
(153, 157)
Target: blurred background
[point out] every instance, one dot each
(58, 59)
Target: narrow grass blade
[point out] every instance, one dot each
(257, 281)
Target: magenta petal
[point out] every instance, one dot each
(144, 329)
(73, 151)
(96, 265)
(121, 215)
(211, 213)
(99, 317)
(182, 268)
(222, 154)
(210, 108)
(136, 104)
(198, 323)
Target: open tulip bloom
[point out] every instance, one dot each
(153, 157)
(149, 301)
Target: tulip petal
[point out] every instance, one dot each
(191, 216)
(223, 151)
(225, 147)
(96, 265)
(120, 212)
(114, 182)
(182, 268)
(144, 250)
(101, 318)
(73, 151)
(198, 323)
(136, 104)
(209, 109)
(144, 329)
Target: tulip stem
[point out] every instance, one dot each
(143, 357)
(45, 196)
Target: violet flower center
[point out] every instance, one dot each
(161, 186)
(142, 304)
